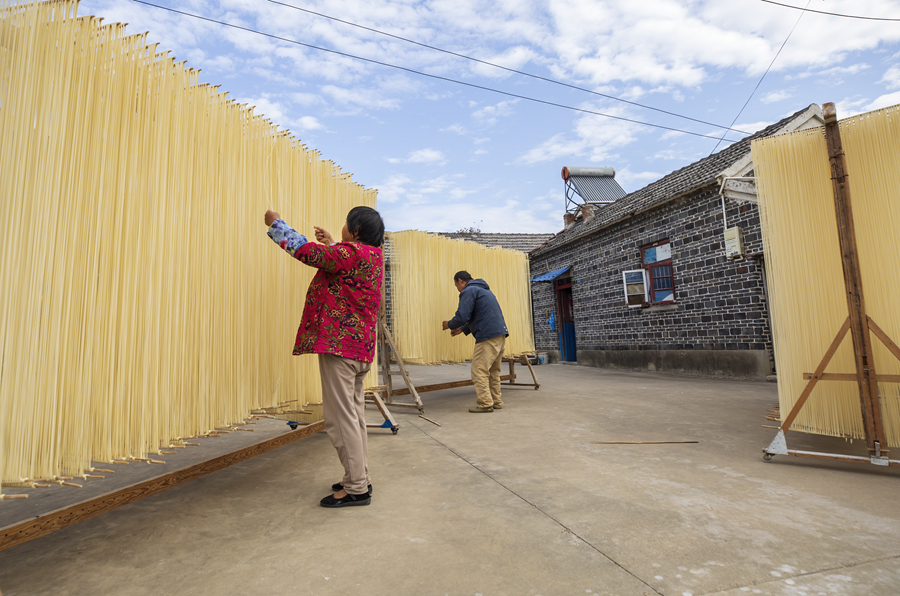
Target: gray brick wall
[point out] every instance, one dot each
(719, 303)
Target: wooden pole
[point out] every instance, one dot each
(859, 328)
(382, 344)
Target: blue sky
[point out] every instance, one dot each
(446, 156)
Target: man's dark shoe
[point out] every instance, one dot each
(347, 501)
(337, 486)
(496, 407)
(480, 410)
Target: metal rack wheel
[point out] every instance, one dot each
(767, 457)
(395, 429)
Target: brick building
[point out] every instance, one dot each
(644, 283)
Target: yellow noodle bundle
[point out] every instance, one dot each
(803, 264)
(140, 298)
(421, 276)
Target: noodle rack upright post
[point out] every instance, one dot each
(858, 323)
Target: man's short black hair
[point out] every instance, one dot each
(367, 225)
(462, 275)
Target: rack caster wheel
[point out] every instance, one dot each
(421, 410)
(536, 387)
(293, 425)
(767, 457)
(395, 429)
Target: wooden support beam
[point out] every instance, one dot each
(820, 370)
(410, 388)
(852, 377)
(888, 343)
(61, 518)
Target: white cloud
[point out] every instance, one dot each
(459, 193)
(891, 78)
(852, 106)
(831, 72)
(775, 96)
(481, 152)
(306, 99)
(670, 134)
(309, 123)
(426, 156)
(670, 154)
(393, 189)
(457, 128)
(891, 99)
(632, 181)
(280, 113)
(490, 114)
(361, 98)
(515, 58)
(273, 110)
(488, 215)
(594, 139)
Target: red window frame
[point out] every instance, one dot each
(666, 281)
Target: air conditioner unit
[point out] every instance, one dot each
(734, 243)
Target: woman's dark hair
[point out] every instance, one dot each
(367, 225)
(463, 276)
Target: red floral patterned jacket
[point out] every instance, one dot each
(342, 302)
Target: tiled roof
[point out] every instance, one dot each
(678, 183)
(520, 242)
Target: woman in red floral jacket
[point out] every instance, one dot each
(338, 324)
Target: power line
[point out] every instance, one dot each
(425, 74)
(527, 74)
(831, 14)
(752, 93)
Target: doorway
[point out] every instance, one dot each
(564, 306)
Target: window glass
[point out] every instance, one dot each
(657, 261)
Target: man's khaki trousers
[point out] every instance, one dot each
(344, 407)
(486, 371)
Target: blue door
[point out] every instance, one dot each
(564, 306)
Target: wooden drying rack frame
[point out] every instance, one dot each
(858, 323)
(383, 395)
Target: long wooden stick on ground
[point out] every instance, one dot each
(638, 442)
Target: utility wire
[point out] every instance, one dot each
(527, 74)
(762, 77)
(831, 14)
(425, 74)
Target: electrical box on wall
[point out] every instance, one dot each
(734, 243)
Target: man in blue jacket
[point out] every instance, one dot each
(479, 313)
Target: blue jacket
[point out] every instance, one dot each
(479, 312)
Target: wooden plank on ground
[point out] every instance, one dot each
(56, 520)
(440, 386)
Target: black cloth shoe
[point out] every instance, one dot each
(337, 486)
(348, 501)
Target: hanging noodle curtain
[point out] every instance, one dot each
(803, 264)
(140, 298)
(422, 266)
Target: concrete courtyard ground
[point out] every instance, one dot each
(519, 501)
